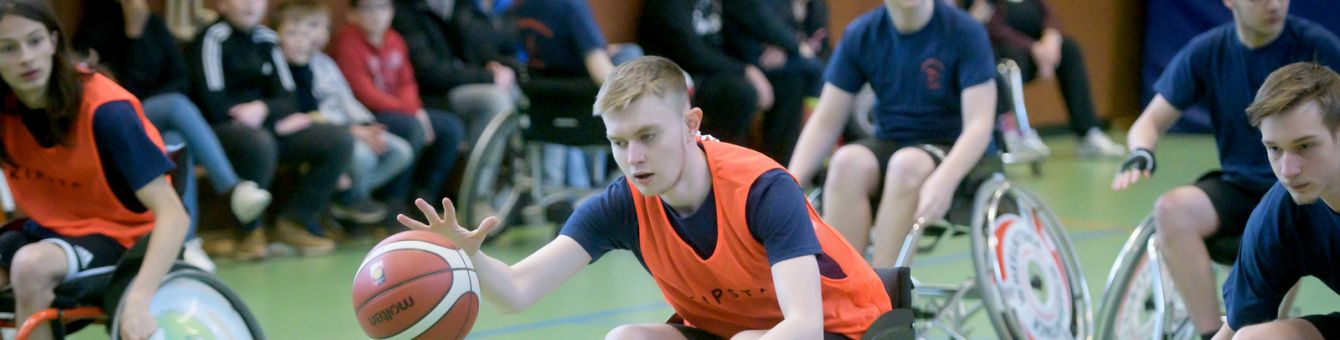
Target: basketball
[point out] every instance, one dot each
(416, 284)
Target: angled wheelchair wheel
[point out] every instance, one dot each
(497, 178)
(1139, 301)
(192, 304)
(1027, 271)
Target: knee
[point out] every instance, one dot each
(1174, 209)
(37, 267)
(629, 332)
(1282, 329)
(852, 166)
(908, 169)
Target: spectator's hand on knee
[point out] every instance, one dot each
(761, 86)
(251, 113)
(292, 124)
(772, 58)
(427, 124)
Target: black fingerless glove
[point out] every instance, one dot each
(1139, 159)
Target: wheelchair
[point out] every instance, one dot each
(1139, 299)
(1026, 275)
(189, 303)
(504, 171)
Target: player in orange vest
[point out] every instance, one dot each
(725, 232)
(86, 167)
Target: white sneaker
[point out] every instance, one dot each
(1033, 141)
(194, 254)
(1096, 144)
(249, 200)
(1026, 147)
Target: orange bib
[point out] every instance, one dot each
(733, 291)
(63, 188)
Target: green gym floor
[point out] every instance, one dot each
(310, 298)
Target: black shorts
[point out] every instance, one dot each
(1327, 324)
(84, 255)
(980, 173)
(1233, 204)
(698, 334)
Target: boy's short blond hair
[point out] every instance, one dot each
(1294, 85)
(296, 10)
(649, 75)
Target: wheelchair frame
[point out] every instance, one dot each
(503, 146)
(1140, 258)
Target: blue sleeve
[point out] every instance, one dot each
(1265, 270)
(125, 147)
(1327, 47)
(844, 67)
(1180, 83)
(605, 222)
(978, 64)
(584, 28)
(778, 217)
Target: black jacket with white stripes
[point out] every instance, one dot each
(230, 66)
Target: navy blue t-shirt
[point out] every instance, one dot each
(918, 78)
(130, 160)
(1216, 70)
(557, 34)
(1283, 242)
(775, 211)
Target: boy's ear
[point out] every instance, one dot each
(694, 118)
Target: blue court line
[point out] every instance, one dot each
(602, 314)
(580, 318)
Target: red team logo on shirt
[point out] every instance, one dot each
(932, 68)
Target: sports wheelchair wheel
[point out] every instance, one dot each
(1139, 300)
(192, 304)
(498, 178)
(1026, 268)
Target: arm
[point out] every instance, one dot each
(673, 19)
(510, 288)
(979, 103)
(760, 21)
(408, 88)
(1002, 33)
(820, 132)
(281, 98)
(515, 288)
(1153, 122)
(207, 78)
(598, 65)
(799, 294)
(356, 71)
(170, 224)
(174, 77)
(439, 73)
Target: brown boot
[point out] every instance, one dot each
(253, 246)
(219, 244)
(296, 235)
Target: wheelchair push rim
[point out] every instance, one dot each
(1026, 268)
(1140, 300)
(496, 180)
(192, 303)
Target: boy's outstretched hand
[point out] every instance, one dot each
(445, 224)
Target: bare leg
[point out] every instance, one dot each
(644, 331)
(908, 169)
(1184, 217)
(38, 268)
(1282, 329)
(852, 178)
